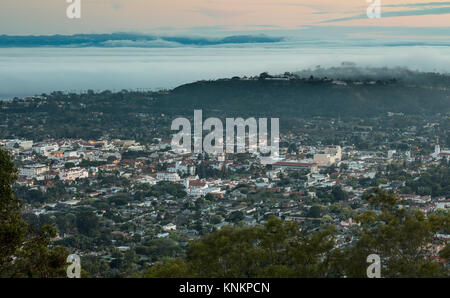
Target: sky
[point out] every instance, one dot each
(47, 17)
(410, 33)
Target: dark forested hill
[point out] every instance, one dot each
(143, 115)
(297, 97)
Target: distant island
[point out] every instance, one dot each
(127, 39)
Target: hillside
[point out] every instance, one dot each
(145, 115)
(309, 97)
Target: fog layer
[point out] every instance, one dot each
(30, 71)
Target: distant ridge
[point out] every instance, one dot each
(127, 39)
(288, 95)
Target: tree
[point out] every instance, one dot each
(401, 238)
(173, 268)
(12, 229)
(264, 76)
(216, 219)
(87, 222)
(278, 249)
(315, 211)
(111, 159)
(69, 165)
(236, 216)
(24, 249)
(338, 194)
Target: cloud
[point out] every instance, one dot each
(38, 70)
(419, 4)
(129, 39)
(351, 71)
(157, 43)
(403, 13)
(261, 26)
(117, 5)
(216, 13)
(210, 28)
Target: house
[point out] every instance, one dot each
(24, 145)
(169, 227)
(167, 176)
(45, 149)
(150, 179)
(443, 204)
(33, 171)
(349, 223)
(195, 187)
(183, 167)
(73, 173)
(415, 198)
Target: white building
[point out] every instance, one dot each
(324, 159)
(349, 222)
(182, 167)
(335, 151)
(169, 227)
(167, 176)
(45, 149)
(195, 187)
(330, 156)
(416, 199)
(147, 179)
(33, 170)
(273, 174)
(25, 145)
(440, 154)
(71, 154)
(443, 204)
(391, 153)
(200, 188)
(437, 151)
(72, 174)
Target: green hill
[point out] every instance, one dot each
(308, 97)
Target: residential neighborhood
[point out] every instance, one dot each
(140, 196)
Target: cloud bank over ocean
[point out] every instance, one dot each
(319, 36)
(34, 71)
(170, 57)
(128, 40)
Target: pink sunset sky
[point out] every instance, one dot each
(22, 17)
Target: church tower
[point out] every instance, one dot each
(437, 149)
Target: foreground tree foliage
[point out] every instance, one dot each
(403, 239)
(24, 250)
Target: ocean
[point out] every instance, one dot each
(33, 71)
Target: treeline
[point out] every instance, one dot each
(403, 239)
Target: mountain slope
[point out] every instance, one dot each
(300, 97)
